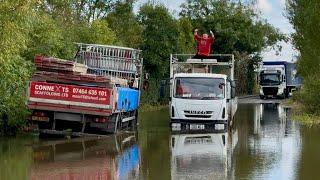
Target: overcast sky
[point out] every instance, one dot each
(272, 10)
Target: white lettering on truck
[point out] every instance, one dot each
(44, 88)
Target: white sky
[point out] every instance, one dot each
(272, 10)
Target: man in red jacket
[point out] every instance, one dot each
(203, 44)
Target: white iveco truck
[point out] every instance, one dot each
(202, 92)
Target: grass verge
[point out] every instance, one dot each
(300, 114)
(152, 107)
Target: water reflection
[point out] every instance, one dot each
(264, 144)
(114, 157)
(271, 150)
(203, 155)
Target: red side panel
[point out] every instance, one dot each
(70, 93)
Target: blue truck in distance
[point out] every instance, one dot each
(278, 79)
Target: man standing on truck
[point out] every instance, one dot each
(203, 44)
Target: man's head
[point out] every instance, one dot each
(205, 35)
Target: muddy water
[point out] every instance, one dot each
(263, 144)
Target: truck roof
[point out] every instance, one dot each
(201, 75)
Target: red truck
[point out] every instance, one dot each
(97, 92)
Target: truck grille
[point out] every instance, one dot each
(270, 90)
(198, 114)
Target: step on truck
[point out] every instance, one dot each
(202, 92)
(97, 92)
(277, 79)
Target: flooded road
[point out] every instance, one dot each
(263, 144)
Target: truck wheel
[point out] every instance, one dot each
(283, 96)
(261, 97)
(287, 93)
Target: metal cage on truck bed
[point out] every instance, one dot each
(111, 61)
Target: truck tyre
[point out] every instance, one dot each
(287, 93)
(261, 97)
(283, 96)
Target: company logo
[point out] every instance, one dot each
(198, 112)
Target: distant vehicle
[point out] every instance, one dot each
(202, 92)
(278, 79)
(98, 91)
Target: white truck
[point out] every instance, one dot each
(202, 92)
(278, 79)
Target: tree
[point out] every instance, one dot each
(77, 10)
(14, 70)
(125, 24)
(304, 16)
(160, 38)
(238, 30)
(186, 39)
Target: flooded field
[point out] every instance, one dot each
(263, 144)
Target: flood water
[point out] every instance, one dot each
(263, 144)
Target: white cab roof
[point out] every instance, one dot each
(207, 75)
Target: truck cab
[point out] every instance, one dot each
(272, 81)
(202, 94)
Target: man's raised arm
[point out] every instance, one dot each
(196, 36)
(212, 35)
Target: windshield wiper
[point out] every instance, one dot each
(209, 98)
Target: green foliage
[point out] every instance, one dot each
(14, 70)
(244, 73)
(186, 39)
(304, 16)
(124, 22)
(152, 95)
(99, 33)
(160, 38)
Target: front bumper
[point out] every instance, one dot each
(196, 121)
(195, 126)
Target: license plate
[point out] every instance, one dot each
(176, 126)
(43, 119)
(219, 126)
(196, 126)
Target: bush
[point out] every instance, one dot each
(309, 95)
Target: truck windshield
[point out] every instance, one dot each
(199, 88)
(270, 79)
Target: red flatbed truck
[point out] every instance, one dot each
(102, 97)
